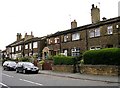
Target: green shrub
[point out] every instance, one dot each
(63, 60)
(24, 59)
(108, 56)
(42, 62)
(50, 57)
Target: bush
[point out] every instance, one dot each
(108, 56)
(50, 57)
(24, 59)
(41, 62)
(63, 60)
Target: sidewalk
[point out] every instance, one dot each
(109, 79)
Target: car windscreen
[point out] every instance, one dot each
(12, 63)
(28, 64)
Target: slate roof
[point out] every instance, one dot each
(85, 27)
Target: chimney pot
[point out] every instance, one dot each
(31, 33)
(92, 5)
(104, 18)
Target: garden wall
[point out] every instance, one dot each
(100, 69)
(63, 68)
(90, 69)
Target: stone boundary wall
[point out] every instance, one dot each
(63, 68)
(90, 69)
(100, 69)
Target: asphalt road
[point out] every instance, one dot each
(11, 79)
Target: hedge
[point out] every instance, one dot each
(107, 56)
(24, 59)
(63, 60)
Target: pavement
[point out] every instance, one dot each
(109, 79)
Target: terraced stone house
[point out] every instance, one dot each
(72, 42)
(97, 35)
(27, 46)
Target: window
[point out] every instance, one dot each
(91, 33)
(98, 47)
(16, 48)
(95, 48)
(97, 32)
(26, 46)
(12, 49)
(65, 52)
(30, 46)
(109, 30)
(94, 33)
(9, 49)
(49, 41)
(75, 36)
(75, 52)
(117, 26)
(57, 40)
(109, 46)
(35, 45)
(92, 48)
(65, 38)
(19, 47)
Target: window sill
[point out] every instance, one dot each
(95, 37)
(108, 34)
(76, 40)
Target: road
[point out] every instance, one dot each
(11, 79)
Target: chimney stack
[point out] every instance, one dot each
(73, 24)
(31, 33)
(19, 36)
(95, 14)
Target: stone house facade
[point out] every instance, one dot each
(27, 46)
(74, 41)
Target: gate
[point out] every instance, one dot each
(47, 65)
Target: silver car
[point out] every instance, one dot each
(9, 65)
(26, 67)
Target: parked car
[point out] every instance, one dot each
(26, 67)
(9, 65)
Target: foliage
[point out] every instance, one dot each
(35, 56)
(24, 59)
(42, 62)
(63, 60)
(108, 56)
(81, 61)
(50, 57)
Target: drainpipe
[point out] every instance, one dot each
(118, 36)
(86, 40)
(60, 45)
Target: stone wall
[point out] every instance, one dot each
(100, 69)
(89, 69)
(63, 68)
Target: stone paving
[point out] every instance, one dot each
(111, 79)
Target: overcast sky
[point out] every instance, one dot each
(44, 17)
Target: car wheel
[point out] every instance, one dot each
(24, 71)
(36, 72)
(7, 69)
(3, 68)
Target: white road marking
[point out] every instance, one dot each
(7, 75)
(4, 85)
(31, 82)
